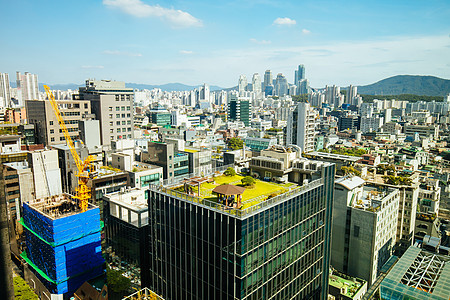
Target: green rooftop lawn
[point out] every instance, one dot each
(339, 282)
(259, 192)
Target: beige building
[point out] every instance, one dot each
(48, 131)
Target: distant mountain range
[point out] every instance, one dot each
(396, 85)
(408, 84)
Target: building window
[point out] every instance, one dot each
(117, 115)
(52, 131)
(123, 122)
(51, 122)
(356, 231)
(123, 108)
(61, 138)
(124, 130)
(128, 115)
(123, 115)
(129, 136)
(111, 137)
(128, 108)
(111, 130)
(129, 129)
(86, 106)
(118, 123)
(117, 108)
(128, 122)
(110, 116)
(111, 123)
(118, 129)
(52, 139)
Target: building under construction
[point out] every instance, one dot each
(63, 243)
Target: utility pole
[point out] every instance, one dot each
(6, 276)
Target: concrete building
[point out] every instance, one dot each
(142, 175)
(5, 91)
(112, 104)
(371, 124)
(28, 87)
(166, 155)
(364, 227)
(90, 133)
(48, 131)
(344, 287)
(46, 173)
(301, 128)
(239, 109)
(424, 131)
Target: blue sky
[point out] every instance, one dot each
(192, 42)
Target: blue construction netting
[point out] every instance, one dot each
(67, 250)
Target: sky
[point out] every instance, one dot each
(203, 41)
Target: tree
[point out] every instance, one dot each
(230, 172)
(350, 170)
(116, 281)
(248, 181)
(235, 143)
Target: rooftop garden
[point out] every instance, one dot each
(256, 191)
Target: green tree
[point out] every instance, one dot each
(116, 281)
(248, 181)
(22, 290)
(230, 172)
(350, 170)
(235, 143)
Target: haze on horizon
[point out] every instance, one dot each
(192, 42)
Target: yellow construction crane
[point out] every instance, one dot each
(82, 192)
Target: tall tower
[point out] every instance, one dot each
(28, 86)
(351, 93)
(5, 92)
(300, 73)
(256, 83)
(301, 127)
(281, 85)
(268, 79)
(242, 85)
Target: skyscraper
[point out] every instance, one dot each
(256, 83)
(5, 92)
(301, 127)
(299, 74)
(268, 82)
(28, 87)
(351, 93)
(274, 249)
(242, 85)
(281, 85)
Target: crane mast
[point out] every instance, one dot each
(82, 191)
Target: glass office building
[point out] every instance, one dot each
(278, 248)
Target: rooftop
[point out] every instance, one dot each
(261, 194)
(335, 156)
(58, 206)
(353, 285)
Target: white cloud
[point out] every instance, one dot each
(262, 42)
(123, 53)
(137, 8)
(186, 52)
(305, 31)
(92, 67)
(284, 21)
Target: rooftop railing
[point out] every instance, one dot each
(236, 211)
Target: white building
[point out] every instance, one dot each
(46, 173)
(364, 227)
(301, 128)
(370, 124)
(5, 91)
(28, 86)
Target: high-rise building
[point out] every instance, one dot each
(205, 93)
(281, 85)
(28, 87)
(268, 81)
(303, 87)
(239, 109)
(352, 92)
(242, 85)
(299, 74)
(48, 131)
(364, 227)
(112, 104)
(256, 84)
(274, 249)
(301, 128)
(5, 91)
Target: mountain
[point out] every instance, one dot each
(408, 84)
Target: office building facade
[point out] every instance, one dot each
(112, 104)
(278, 249)
(301, 128)
(28, 86)
(239, 110)
(5, 91)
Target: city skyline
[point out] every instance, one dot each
(356, 43)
